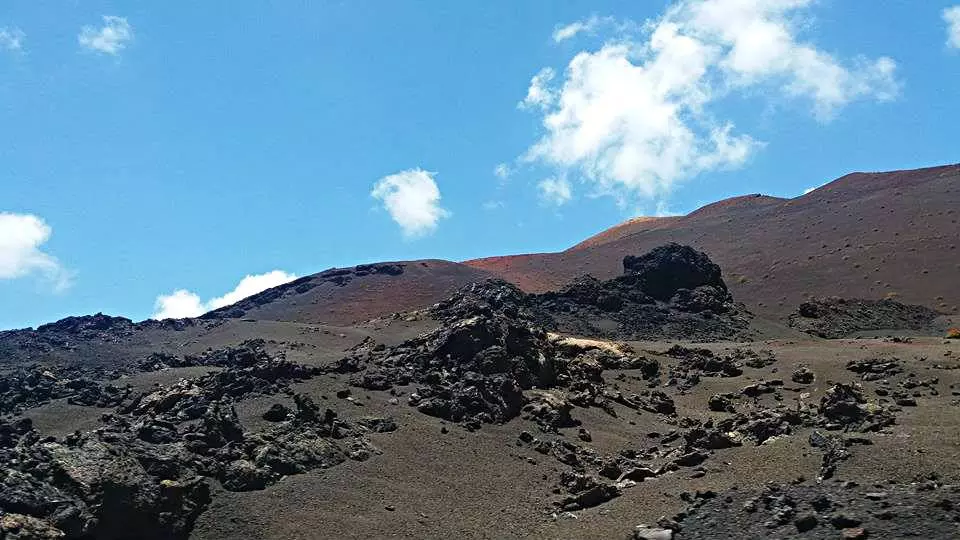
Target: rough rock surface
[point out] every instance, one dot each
(31, 387)
(836, 317)
(924, 509)
(665, 270)
(672, 291)
(150, 466)
(475, 368)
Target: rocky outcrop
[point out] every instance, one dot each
(150, 466)
(35, 386)
(666, 270)
(836, 317)
(670, 292)
(844, 405)
(475, 368)
(86, 487)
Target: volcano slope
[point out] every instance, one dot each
(865, 235)
(494, 413)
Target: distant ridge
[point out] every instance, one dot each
(866, 235)
(870, 235)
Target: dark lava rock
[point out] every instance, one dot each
(88, 326)
(672, 291)
(694, 363)
(802, 375)
(905, 401)
(85, 346)
(845, 405)
(31, 387)
(833, 449)
(754, 359)
(874, 369)
(91, 488)
(585, 491)
(277, 413)
(664, 270)
(189, 398)
(758, 389)
(657, 402)
(722, 403)
(755, 426)
(837, 317)
(691, 459)
(806, 522)
(147, 469)
(486, 299)
(806, 511)
(378, 425)
(476, 368)
(704, 361)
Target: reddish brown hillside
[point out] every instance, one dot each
(631, 226)
(864, 235)
(348, 295)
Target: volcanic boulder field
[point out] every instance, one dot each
(650, 402)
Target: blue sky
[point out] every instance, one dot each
(153, 147)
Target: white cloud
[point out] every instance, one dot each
(412, 199)
(539, 95)
(21, 237)
(555, 191)
(569, 31)
(182, 303)
(635, 117)
(592, 25)
(502, 171)
(251, 285)
(951, 16)
(11, 39)
(111, 38)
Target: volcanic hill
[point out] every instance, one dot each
(865, 235)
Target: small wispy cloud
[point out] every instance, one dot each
(111, 38)
(22, 237)
(183, 303)
(412, 198)
(555, 190)
(539, 93)
(570, 31)
(502, 171)
(951, 16)
(11, 39)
